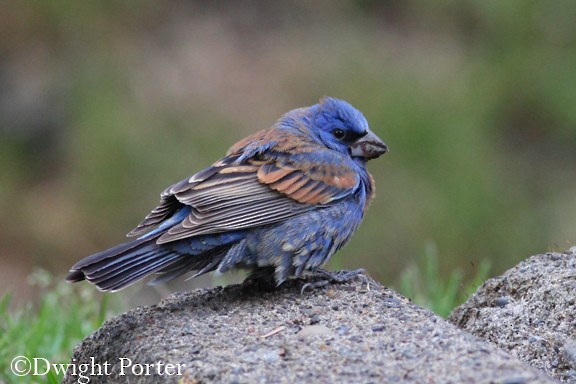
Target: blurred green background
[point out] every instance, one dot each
(104, 104)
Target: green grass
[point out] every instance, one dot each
(425, 285)
(63, 316)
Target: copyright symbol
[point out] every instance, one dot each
(20, 366)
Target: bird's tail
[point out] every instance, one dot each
(124, 264)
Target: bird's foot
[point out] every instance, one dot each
(328, 277)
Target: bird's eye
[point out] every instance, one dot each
(339, 133)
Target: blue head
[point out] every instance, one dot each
(341, 127)
(337, 125)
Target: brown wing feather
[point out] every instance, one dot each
(310, 184)
(237, 193)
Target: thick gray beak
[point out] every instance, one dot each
(369, 147)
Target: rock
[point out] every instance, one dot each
(343, 333)
(537, 320)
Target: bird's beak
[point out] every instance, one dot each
(369, 147)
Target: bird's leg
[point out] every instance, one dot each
(328, 277)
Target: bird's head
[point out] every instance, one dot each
(341, 127)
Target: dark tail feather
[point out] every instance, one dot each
(204, 263)
(124, 264)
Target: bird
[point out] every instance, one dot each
(280, 202)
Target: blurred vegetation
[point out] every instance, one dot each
(425, 285)
(104, 104)
(52, 328)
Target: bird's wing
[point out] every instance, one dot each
(238, 193)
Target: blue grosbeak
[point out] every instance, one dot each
(280, 202)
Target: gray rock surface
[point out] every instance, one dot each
(529, 311)
(347, 333)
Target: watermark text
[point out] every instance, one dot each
(124, 366)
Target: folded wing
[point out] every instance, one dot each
(238, 192)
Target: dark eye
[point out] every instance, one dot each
(339, 133)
